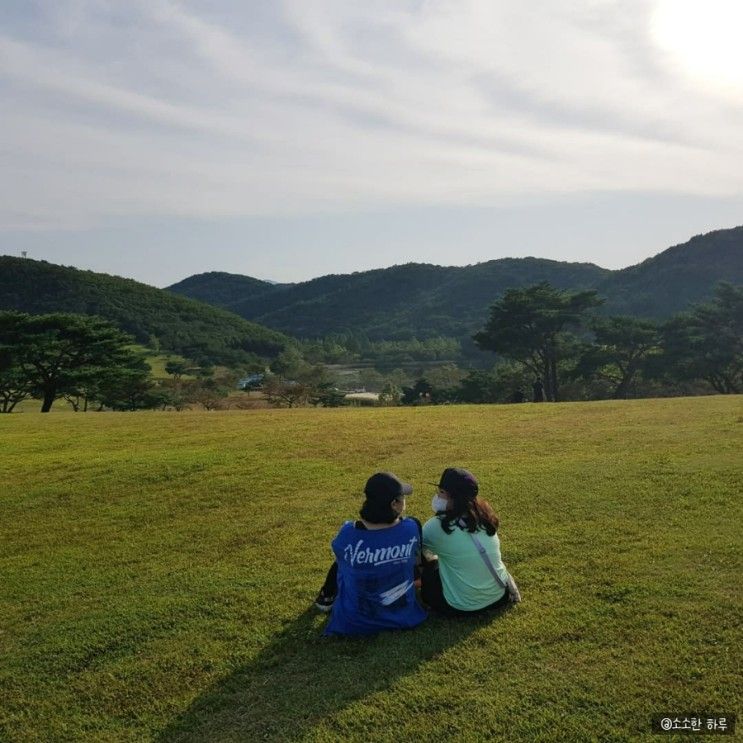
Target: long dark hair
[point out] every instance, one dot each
(469, 513)
(378, 513)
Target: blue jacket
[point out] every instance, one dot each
(375, 579)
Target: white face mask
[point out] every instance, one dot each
(439, 504)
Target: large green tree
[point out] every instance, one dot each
(621, 347)
(14, 386)
(707, 342)
(507, 381)
(60, 353)
(530, 325)
(129, 386)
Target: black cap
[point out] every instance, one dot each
(384, 487)
(458, 481)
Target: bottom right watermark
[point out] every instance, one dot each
(699, 723)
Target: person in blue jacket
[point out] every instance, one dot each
(371, 585)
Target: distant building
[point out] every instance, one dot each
(362, 398)
(251, 382)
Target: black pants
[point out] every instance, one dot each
(330, 587)
(432, 593)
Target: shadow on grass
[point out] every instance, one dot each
(302, 678)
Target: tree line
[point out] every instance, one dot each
(55, 355)
(549, 344)
(92, 364)
(547, 341)
(547, 337)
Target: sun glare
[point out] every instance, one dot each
(704, 38)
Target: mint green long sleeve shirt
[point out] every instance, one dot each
(466, 580)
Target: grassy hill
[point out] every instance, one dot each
(422, 301)
(191, 328)
(158, 571)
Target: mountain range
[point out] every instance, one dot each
(423, 300)
(230, 319)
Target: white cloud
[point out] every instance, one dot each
(163, 108)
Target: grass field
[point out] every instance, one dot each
(157, 569)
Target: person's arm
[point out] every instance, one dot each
(430, 532)
(344, 525)
(419, 551)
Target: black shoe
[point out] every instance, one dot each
(324, 603)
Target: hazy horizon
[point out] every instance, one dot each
(371, 268)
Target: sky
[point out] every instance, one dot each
(288, 139)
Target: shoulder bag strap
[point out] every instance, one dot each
(486, 559)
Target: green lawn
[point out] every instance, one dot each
(157, 569)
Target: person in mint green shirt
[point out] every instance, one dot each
(456, 579)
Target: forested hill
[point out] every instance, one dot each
(222, 289)
(668, 282)
(153, 316)
(422, 300)
(415, 299)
